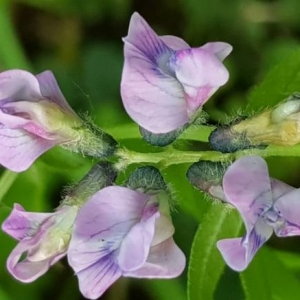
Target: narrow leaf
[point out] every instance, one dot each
(206, 264)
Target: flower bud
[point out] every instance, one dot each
(276, 126)
(162, 139)
(207, 176)
(146, 180)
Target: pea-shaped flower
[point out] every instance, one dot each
(165, 81)
(43, 239)
(121, 232)
(34, 116)
(265, 204)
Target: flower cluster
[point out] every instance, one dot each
(114, 232)
(107, 230)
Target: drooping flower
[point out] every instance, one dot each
(43, 238)
(165, 81)
(265, 204)
(121, 232)
(35, 116)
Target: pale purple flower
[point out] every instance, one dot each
(43, 240)
(121, 232)
(165, 81)
(34, 116)
(265, 204)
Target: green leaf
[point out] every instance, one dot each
(267, 278)
(280, 83)
(206, 264)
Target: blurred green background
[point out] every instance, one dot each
(80, 41)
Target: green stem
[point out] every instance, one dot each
(169, 157)
(7, 179)
(173, 156)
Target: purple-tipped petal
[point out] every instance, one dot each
(286, 229)
(287, 208)
(239, 252)
(102, 224)
(96, 279)
(144, 39)
(200, 73)
(220, 49)
(18, 85)
(256, 238)
(135, 247)
(174, 42)
(19, 149)
(165, 260)
(151, 96)
(247, 186)
(51, 91)
(153, 100)
(20, 223)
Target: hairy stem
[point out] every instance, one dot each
(173, 156)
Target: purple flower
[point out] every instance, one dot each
(265, 204)
(121, 232)
(164, 80)
(43, 240)
(34, 116)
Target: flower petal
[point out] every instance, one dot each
(18, 85)
(174, 42)
(239, 252)
(96, 279)
(220, 49)
(151, 96)
(234, 253)
(27, 271)
(51, 91)
(19, 149)
(135, 247)
(288, 208)
(20, 223)
(247, 186)
(200, 73)
(164, 229)
(279, 188)
(102, 224)
(165, 260)
(144, 39)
